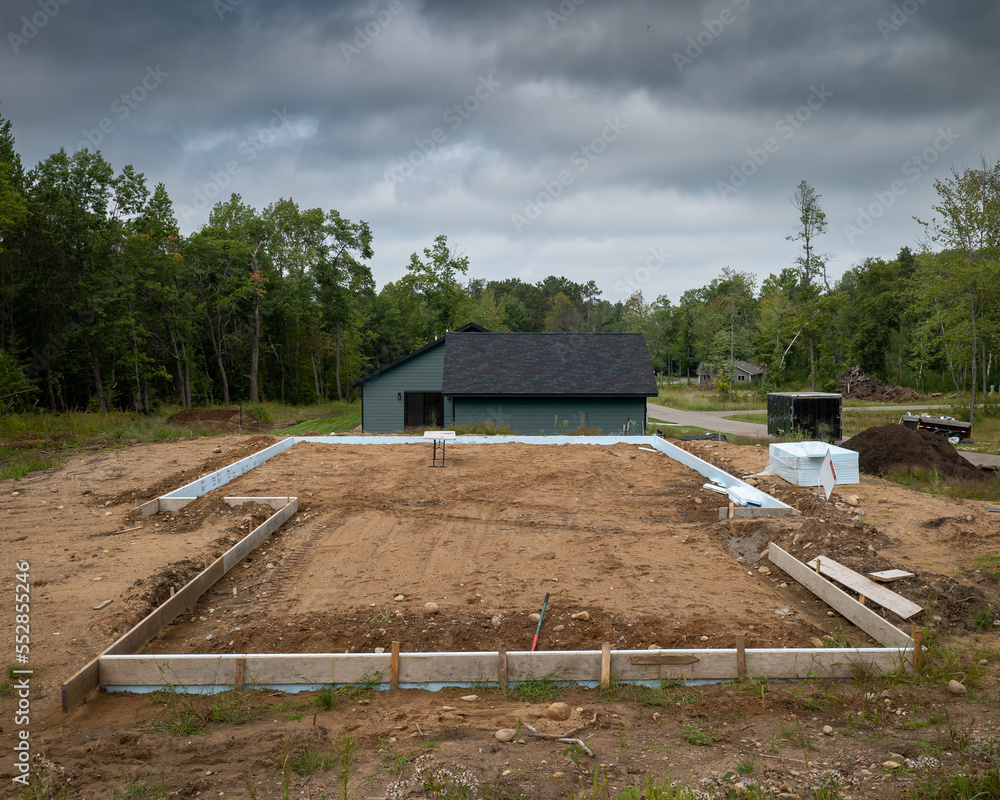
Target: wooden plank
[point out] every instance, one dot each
(162, 616)
(88, 678)
(235, 554)
(502, 669)
(754, 511)
(866, 619)
(76, 689)
(889, 575)
(823, 663)
(149, 508)
(174, 503)
(223, 476)
(865, 587)
(275, 502)
(663, 658)
(741, 656)
(394, 667)
(346, 668)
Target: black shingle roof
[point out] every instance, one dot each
(490, 364)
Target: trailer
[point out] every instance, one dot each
(952, 429)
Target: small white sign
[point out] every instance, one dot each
(827, 474)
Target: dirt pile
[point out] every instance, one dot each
(224, 420)
(893, 448)
(857, 385)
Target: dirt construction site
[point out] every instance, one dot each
(628, 545)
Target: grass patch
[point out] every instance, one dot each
(189, 714)
(931, 482)
(963, 786)
(982, 620)
(329, 697)
(346, 420)
(990, 563)
(306, 762)
(144, 788)
(677, 431)
(694, 735)
(537, 690)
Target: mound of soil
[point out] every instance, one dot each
(225, 420)
(861, 386)
(892, 448)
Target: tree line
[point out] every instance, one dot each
(105, 305)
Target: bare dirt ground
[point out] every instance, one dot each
(621, 533)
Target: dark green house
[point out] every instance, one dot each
(534, 383)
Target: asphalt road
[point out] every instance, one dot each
(716, 421)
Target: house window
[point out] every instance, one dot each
(423, 409)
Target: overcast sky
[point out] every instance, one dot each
(635, 143)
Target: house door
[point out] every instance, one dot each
(424, 409)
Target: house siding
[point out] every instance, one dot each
(382, 411)
(550, 416)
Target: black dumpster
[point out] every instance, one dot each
(813, 414)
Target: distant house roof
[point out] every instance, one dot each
(743, 366)
(750, 369)
(472, 327)
(546, 364)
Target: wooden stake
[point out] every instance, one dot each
(741, 656)
(502, 668)
(394, 667)
(241, 666)
(605, 666)
(918, 648)
(732, 510)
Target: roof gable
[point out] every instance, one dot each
(472, 327)
(548, 364)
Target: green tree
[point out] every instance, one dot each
(967, 224)
(13, 214)
(811, 266)
(435, 278)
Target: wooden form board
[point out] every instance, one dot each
(220, 672)
(753, 511)
(865, 587)
(866, 619)
(889, 575)
(88, 678)
(223, 476)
